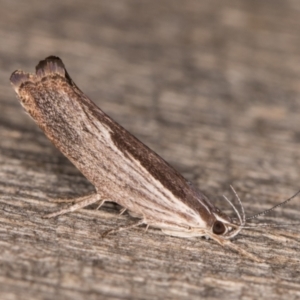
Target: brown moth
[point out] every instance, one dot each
(121, 168)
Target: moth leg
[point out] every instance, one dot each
(136, 224)
(122, 211)
(79, 203)
(101, 203)
(243, 252)
(232, 246)
(72, 200)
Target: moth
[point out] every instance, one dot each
(121, 167)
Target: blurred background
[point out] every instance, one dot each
(211, 85)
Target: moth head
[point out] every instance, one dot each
(225, 227)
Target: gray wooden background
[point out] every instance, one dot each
(214, 87)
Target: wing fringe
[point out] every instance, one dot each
(18, 78)
(49, 66)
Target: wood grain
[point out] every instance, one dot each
(213, 87)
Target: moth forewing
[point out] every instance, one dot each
(120, 167)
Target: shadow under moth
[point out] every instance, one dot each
(121, 168)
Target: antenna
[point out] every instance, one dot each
(272, 208)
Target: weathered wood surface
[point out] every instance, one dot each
(213, 86)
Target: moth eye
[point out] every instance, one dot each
(218, 228)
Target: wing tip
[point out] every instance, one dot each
(19, 77)
(50, 65)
